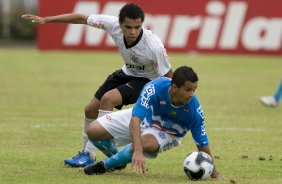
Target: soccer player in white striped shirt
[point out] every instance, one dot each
(144, 56)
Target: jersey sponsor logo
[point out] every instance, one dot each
(145, 95)
(135, 67)
(200, 111)
(98, 26)
(220, 25)
(203, 129)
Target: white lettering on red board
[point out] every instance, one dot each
(224, 27)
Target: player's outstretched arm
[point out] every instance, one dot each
(72, 18)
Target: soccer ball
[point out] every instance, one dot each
(198, 165)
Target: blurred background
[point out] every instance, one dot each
(210, 26)
(14, 31)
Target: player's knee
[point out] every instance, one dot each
(91, 111)
(91, 131)
(109, 99)
(150, 146)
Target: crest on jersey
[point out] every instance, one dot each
(134, 58)
(172, 113)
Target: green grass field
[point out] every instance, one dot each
(42, 99)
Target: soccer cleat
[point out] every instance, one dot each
(268, 101)
(82, 159)
(95, 169)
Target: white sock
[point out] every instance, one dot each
(91, 149)
(88, 145)
(86, 123)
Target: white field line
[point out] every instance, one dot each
(237, 129)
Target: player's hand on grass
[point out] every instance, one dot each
(138, 163)
(34, 19)
(215, 174)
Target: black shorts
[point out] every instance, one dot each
(128, 86)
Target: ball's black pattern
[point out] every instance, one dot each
(196, 175)
(200, 158)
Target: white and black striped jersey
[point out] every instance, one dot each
(146, 58)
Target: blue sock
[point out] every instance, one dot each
(124, 156)
(106, 146)
(278, 93)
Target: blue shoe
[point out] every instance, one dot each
(82, 159)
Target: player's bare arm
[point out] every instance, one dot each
(138, 161)
(206, 149)
(72, 18)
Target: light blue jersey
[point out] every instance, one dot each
(155, 109)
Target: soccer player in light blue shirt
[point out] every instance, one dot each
(154, 105)
(164, 112)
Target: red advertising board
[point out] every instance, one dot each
(205, 26)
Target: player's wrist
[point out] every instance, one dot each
(138, 149)
(46, 19)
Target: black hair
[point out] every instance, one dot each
(132, 11)
(183, 74)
